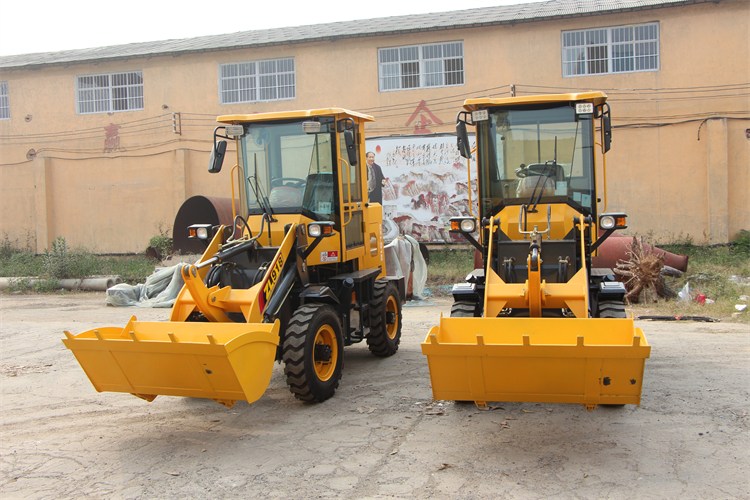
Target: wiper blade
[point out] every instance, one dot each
(260, 195)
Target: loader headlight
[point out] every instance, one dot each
(607, 222)
(200, 231)
(318, 229)
(314, 230)
(463, 224)
(613, 221)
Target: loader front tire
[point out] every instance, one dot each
(313, 352)
(385, 320)
(611, 309)
(464, 309)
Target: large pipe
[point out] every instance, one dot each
(615, 249)
(97, 283)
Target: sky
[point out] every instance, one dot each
(50, 25)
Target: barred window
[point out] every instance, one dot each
(109, 92)
(621, 49)
(421, 66)
(252, 81)
(4, 101)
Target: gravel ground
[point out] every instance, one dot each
(380, 436)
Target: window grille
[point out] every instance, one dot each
(421, 66)
(621, 49)
(110, 92)
(4, 101)
(252, 81)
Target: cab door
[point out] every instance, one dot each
(351, 195)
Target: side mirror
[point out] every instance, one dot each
(351, 147)
(606, 132)
(217, 157)
(462, 140)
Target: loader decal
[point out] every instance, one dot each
(270, 282)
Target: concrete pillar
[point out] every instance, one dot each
(179, 167)
(717, 180)
(42, 203)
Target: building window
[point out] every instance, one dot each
(4, 101)
(110, 92)
(421, 66)
(622, 49)
(270, 80)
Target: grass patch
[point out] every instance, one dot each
(63, 262)
(721, 273)
(447, 267)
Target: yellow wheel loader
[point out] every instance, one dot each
(538, 323)
(298, 276)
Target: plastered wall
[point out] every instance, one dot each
(112, 200)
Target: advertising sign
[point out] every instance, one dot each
(423, 184)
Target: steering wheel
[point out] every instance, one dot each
(294, 182)
(535, 169)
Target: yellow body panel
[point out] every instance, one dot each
(225, 362)
(290, 115)
(550, 360)
(561, 218)
(594, 97)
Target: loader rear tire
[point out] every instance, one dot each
(313, 352)
(464, 309)
(385, 320)
(611, 309)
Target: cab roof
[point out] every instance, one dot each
(287, 115)
(474, 104)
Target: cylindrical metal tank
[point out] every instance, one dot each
(199, 210)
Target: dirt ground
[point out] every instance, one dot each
(380, 436)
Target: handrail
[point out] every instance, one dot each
(231, 178)
(583, 265)
(471, 205)
(349, 188)
(488, 265)
(604, 174)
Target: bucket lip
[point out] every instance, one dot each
(542, 327)
(241, 334)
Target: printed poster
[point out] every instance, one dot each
(424, 184)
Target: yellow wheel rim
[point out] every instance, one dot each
(391, 306)
(325, 337)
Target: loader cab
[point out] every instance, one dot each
(303, 167)
(535, 153)
(290, 169)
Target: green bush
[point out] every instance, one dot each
(741, 243)
(162, 242)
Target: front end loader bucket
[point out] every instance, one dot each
(225, 362)
(543, 360)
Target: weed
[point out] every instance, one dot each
(741, 243)
(46, 285)
(16, 285)
(21, 264)
(449, 266)
(57, 262)
(162, 242)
